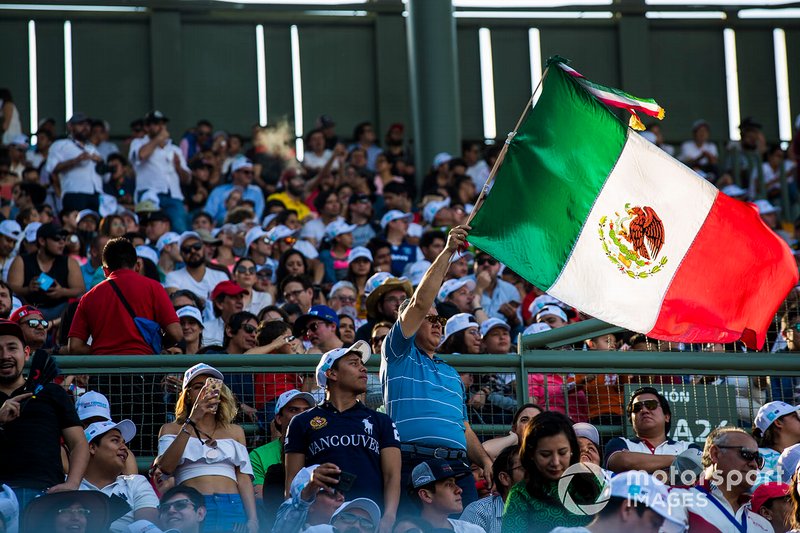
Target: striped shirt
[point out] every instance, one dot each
(486, 513)
(424, 396)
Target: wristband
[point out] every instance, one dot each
(477, 309)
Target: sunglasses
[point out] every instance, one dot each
(58, 238)
(651, 405)
(248, 328)
(289, 240)
(313, 327)
(196, 247)
(75, 512)
(747, 455)
(245, 270)
(346, 299)
(351, 519)
(178, 505)
(436, 319)
(483, 260)
(37, 322)
(378, 340)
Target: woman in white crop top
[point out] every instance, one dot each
(204, 450)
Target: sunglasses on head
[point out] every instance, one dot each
(483, 260)
(651, 405)
(245, 270)
(747, 455)
(436, 319)
(192, 248)
(178, 505)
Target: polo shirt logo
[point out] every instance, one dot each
(367, 426)
(318, 422)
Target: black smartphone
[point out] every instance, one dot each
(346, 480)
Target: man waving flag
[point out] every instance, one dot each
(586, 209)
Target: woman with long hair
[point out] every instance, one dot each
(10, 124)
(549, 447)
(192, 326)
(244, 273)
(359, 270)
(203, 449)
(340, 236)
(112, 226)
(291, 263)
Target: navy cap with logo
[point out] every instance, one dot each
(321, 312)
(154, 117)
(48, 231)
(431, 471)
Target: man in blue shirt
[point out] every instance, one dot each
(423, 394)
(346, 433)
(242, 177)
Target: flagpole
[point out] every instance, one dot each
(502, 154)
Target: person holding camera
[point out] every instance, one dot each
(73, 161)
(363, 443)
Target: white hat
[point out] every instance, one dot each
(146, 252)
(108, 204)
(734, 191)
(357, 253)
(126, 427)
(293, 394)
(88, 213)
(765, 208)
(253, 235)
(552, 310)
(375, 281)
(191, 311)
(19, 140)
(30, 231)
(587, 430)
(788, 462)
(165, 240)
(241, 163)
(308, 250)
(441, 158)
(338, 227)
(367, 505)
(341, 285)
(268, 218)
(10, 229)
(769, 412)
(540, 301)
(536, 327)
(9, 508)
(641, 487)
(280, 232)
(458, 322)
(189, 235)
(492, 323)
(301, 479)
(393, 215)
(200, 369)
(452, 285)
(431, 208)
(415, 271)
(93, 404)
(327, 359)
(414, 230)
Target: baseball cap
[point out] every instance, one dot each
(734, 191)
(452, 285)
(88, 213)
(46, 231)
(431, 471)
(191, 311)
(375, 281)
(78, 118)
(768, 491)
(328, 358)
(359, 252)
(769, 412)
(10, 229)
(19, 140)
(536, 327)
(268, 218)
(552, 310)
(9, 508)
(338, 227)
(308, 250)
(417, 270)
(492, 323)
(365, 504)
(165, 240)
(228, 288)
(643, 488)
(93, 404)
(321, 312)
(341, 285)
(690, 460)
(458, 322)
(200, 369)
(788, 462)
(699, 123)
(155, 116)
(186, 235)
(540, 301)
(415, 230)
(587, 430)
(280, 232)
(146, 252)
(241, 163)
(393, 215)
(431, 208)
(23, 311)
(126, 427)
(441, 158)
(301, 479)
(765, 208)
(253, 235)
(325, 121)
(8, 327)
(293, 394)
(31, 231)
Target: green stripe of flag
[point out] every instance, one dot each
(555, 167)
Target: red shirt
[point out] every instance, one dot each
(102, 316)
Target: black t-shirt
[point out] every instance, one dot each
(30, 446)
(352, 440)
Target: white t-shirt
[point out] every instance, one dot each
(181, 279)
(14, 127)
(258, 301)
(213, 332)
(314, 161)
(690, 151)
(135, 490)
(81, 178)
(158, 172)
(459, 526)
(479, 172)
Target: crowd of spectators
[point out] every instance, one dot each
(211, 245)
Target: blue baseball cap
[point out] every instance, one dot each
(320, 312)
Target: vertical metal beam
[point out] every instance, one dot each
(166, 67)
(433, 64)
(392, 83)
(634, 54)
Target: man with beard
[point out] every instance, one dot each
(48, 278)
(32, 428)
(292, 196)
(10, 233)
(71, 163)
(6, 300)
(195, 276)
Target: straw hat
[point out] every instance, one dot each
(389, 284)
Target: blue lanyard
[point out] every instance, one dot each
(739, 526)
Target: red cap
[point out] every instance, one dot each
(229, 288)
(768, 491)
(397, 126)
(8, 327)
(22, 312)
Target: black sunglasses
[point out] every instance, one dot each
(651, 405)
(248, 328)
(747, 455)
(436, 319)
(191, 247)
(179, 505)
(245, 270)
(37, 322)
(483, 260)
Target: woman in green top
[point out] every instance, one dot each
(549, 447)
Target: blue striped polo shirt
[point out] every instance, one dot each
(423, 395)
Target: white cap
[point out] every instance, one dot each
(452, 285)
(587, 430)
(734, 191)
(431, 208)
(168, 238)
(200, 369)
(367, 505)
(341, 285)
(458, 322)
(375, 281)
(252, 236)
(552, 310)
(414, 230)
(146, 252)
(188, 235)
(126, 427)
(280, 232)
(769, 412)
(307, 249)
(393, 215)
(641, 487)
(191, 311)
(88, 213)
(108, 204)
(327, 359)
(441, 158)
(301, 479)
(268, 218)
(241, 163)
(30, 231)
(492, 323)
(9, 508)
(19, 140)
(10, 229)
(765, 208)
(93, 404)
(338, 227)
(357, 253)
(415, 271)
(293, 394)
(536, 327)
(788, 462)
(540, 301)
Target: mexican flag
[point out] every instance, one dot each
(586, 209)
